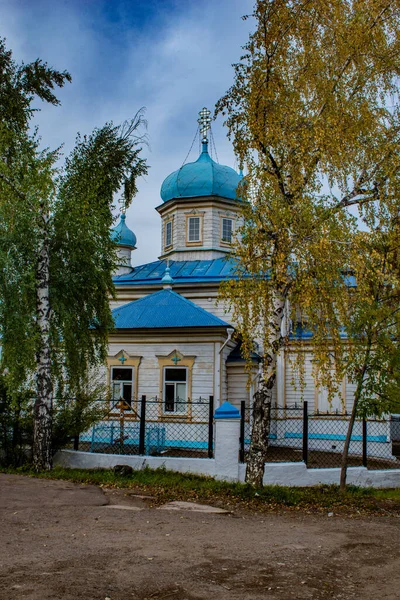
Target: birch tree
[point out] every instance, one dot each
(372, 353)
(55, 250)
(313, 115)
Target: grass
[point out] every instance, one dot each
(165, 486)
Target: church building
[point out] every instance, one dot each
(174, 343)
(172, 340)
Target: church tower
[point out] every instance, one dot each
(200, 206)
(126, 243)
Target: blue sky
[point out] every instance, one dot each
(172, 56)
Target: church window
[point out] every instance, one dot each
(175, 389)
(122, 384)
(194, 229)
(168, 234)
(227, 229)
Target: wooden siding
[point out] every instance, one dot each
(295, 396)
(237, 384)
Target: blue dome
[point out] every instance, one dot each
(122, 235)
(204, 177)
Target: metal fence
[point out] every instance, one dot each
(318, 439)
(153, 427)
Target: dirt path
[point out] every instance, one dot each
(59, 540)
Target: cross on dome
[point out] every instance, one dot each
(122, 204)
(204, 122)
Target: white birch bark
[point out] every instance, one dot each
(42, 452)
(263, 397)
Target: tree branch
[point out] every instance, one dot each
(12, 185)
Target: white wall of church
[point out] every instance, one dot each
(293, 394)
(316, 398)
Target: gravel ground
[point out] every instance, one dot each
(60, 540)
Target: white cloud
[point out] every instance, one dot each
(174, 63)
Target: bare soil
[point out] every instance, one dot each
(65, 541)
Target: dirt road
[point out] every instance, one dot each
(63, 541)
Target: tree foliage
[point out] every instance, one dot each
(56, 256)
(70, 418)
(314, 116)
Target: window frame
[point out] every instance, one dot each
(222, 240)
(198, 241)
(167, 223)
(130, 382)
(175, 383)
(114, 360)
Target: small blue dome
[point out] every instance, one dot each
(204, 177)
(122, 235)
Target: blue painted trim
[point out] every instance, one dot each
(227, 411)
(183, 444)
(337, 437)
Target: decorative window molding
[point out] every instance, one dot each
(176, 370)
(116, 365)
(194, 230)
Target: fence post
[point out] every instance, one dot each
(227, 428)
(364, 443)
(76, 442)
(305, 432)
(241, 438)
(142, 428)
(211, 427)
(121, 406)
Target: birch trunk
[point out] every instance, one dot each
(42, 451)
(263, 397)
(345, 456)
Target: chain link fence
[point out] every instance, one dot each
(153, 427)
(318, 439)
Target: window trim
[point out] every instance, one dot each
(198, 242)
(222, 241)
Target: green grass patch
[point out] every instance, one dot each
(165, 485)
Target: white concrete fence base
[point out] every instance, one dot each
(225, 464)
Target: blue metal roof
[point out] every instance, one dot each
(122, 235)
(187, 271)
(163, 309)
(204, 177)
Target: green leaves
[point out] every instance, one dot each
(72, 209)
(83, 256)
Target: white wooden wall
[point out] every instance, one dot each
(316, 398)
